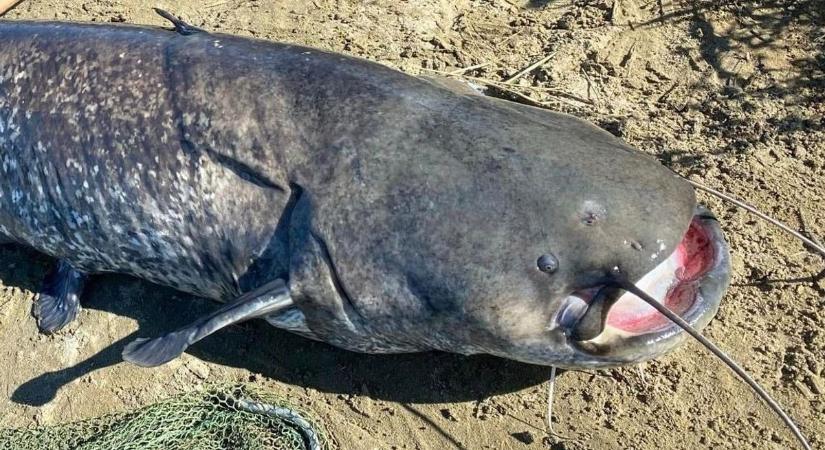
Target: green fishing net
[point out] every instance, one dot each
(235, 417)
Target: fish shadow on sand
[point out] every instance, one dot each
(272, 353)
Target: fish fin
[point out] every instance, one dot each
(181, 27)
(290, 319)
(58, 302)
(154, 352)
(261, 302)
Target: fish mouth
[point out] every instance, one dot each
(690, 282)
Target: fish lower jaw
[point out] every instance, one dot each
(690, 282)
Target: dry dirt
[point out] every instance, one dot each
(729, 94)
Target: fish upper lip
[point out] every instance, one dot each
(615, 346)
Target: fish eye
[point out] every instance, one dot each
(547, 263)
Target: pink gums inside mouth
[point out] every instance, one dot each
(675, 282)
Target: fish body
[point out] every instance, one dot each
(401, 214)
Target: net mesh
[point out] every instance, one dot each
(235, 417)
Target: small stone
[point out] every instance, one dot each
(447, 414)
(525, 437)
(198, 368)
(816, 384)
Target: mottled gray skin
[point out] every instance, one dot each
(405, 216)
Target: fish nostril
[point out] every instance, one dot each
(592, 213)
(547, 263)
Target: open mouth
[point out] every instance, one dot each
(690, 282)
(676, 283)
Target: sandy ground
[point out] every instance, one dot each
(727, 93)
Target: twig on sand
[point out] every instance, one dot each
(514, 90)
(667, 93)
(613, 11)
(590, 85)
(6, 5)
(226, 2)
(529, 69)
(464, 70)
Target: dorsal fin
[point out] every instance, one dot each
(181, 27)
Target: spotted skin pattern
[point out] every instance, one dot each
(109, 190)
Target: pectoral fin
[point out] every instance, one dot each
(267, 299)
